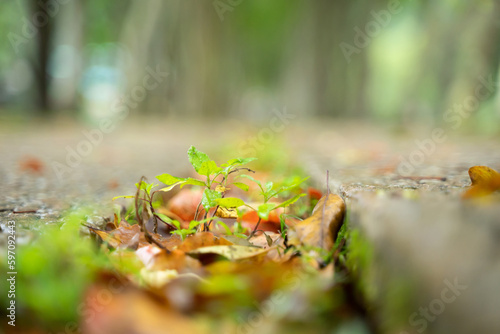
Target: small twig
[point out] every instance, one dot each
(140, 221)
(324, 206)
(155, 228)
(254, 229)
(327, 181)
(238, 169)
(420, 178)
(196, 213)
(25, 211)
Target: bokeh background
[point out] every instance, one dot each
(392, 62)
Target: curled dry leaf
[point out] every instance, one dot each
(202, 239)
(158, 259)
(320, 230)
(125, 236)
(130, 236)
(226, 212)
(265, 240)
(485, 181)
(232, 252)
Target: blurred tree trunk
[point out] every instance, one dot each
(322, 77)
(40, 64)
(140, 28)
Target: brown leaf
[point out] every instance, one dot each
(159, 259)
(125, 236)
(232, 252)
(320, 230)
(265, 240)
(484, 180)
(202, 239)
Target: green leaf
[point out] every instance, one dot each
(128, 196)
(193, 224)
(209, 197)
(176, 224)
(171, 186)
(165, 218)
(194, 182)
(228, 230)
(293, 185)
(240, 185)
(200, 161)
(169, 179)
(290, 201)
(252, 179)
(238, 161)
(145, 186)
(208, 168)
(230, 202)
(269, 186)
(264, 209)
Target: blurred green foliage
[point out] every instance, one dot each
(53, 272)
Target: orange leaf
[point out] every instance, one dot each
(184, 204)
(484, 182)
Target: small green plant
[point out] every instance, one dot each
(216, 182)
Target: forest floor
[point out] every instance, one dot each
(434, 260)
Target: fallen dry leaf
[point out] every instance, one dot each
(32, 165)
(314, 193)
(226, 212)
(202, 239)
(320, 230)
(232, 252)
(184, 204)
(485, 181)
(264, 239)
(159, 259)
(272, 224)
(125, 236)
